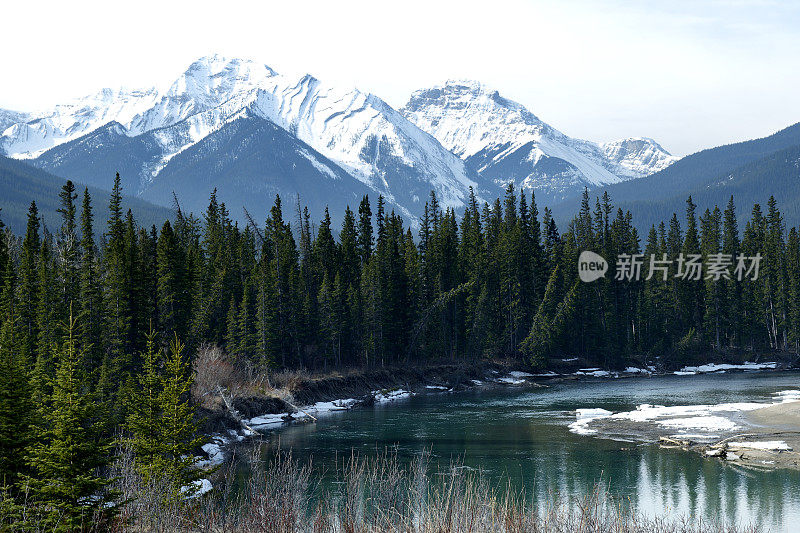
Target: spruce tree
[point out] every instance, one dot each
(90, 292)
(178, 434)
(15, 407)
(67, 247)
(117, 285)
(29, 284)
(69, 455)
(144, 422)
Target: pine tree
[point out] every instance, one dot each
(733, 289)
(144, 422)
(178, 434)
(29, 284)
(67, 247)
(172, 285)
(793, 290)
(46, 325)
(365, 240)
(90, 293)
(116, 290)
(15, 407)
(67, 458)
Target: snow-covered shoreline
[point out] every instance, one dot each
(216, 448)
(702, 422)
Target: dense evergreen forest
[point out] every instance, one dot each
(100, 319)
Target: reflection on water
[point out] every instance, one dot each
(522, 436)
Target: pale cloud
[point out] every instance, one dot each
(689, 74)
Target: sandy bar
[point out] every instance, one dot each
(779, 422)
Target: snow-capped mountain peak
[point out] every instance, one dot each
(213, 79)
(449, 138)
(638, 156)
(466, 115)
(504, 142)
(43, 130)
(357, 131)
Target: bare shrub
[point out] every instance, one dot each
(380, 495)
(213, 369)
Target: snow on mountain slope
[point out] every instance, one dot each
(369, 139)
(638, 156)
(357, 131)
(9, 118)
(65, 122)
(208, 83)
(506, 142)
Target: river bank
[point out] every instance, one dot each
(762, 433)
(308, 397)
(518, 436)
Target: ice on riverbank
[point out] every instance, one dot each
(768, 445)
(790, 395)
(265, 421)
(593, 372)
(391, 396)
(716, 367)
(510, 380)
(703, 421)
(584, 417)
(320, 408)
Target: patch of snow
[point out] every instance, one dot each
(584, 417)
(216, 456)
(265, 421)
(509, 380)
(647, 412)
(198, 488)
(569, 360)
(518, 374)
(327, 407)
(593, 372)
(634, 370)
(790, 395)
(684, 373)
(390, 396)
(695, 436)
(771, 445)
(436, 387)
(715, 367)
(710, 423)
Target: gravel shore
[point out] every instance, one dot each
(779, 423)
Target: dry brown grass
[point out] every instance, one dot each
(377, 494)
(215, 370)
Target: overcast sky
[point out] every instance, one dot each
(689, 73)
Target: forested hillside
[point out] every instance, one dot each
(748, 170)
(21, 183)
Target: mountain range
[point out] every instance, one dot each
(505, 142)
(242, 128)
(750, 171)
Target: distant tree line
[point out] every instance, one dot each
(92, 327)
